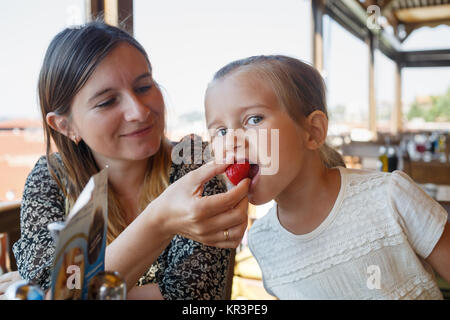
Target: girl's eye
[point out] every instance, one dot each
(143, 89)
(221, 132)
(106, 103)
(254, 120)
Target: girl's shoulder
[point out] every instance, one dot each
(374, 177)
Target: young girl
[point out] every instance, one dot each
(333, 233)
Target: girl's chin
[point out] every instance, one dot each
(257, 196)
(257, 200)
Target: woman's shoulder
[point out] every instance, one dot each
(40, 169)
(40, 177)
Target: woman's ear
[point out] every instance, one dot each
(61, 124)
(317, 124)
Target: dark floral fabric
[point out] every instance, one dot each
(186, 269)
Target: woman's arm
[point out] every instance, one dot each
(440, 256)
(193, 270)
(182, 210)
(42, 203)
(138, 246)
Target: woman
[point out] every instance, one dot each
(101, 107)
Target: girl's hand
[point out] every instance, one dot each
(219, 220)
(6, 280)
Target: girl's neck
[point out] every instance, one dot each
(309, 198)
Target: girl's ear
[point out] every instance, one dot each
(61, 124)
(317, 124)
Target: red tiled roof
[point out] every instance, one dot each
(20, 124)
(20, 149)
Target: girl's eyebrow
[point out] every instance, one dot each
(103, 91)
(243, 109)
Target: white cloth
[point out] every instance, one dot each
(372, 245)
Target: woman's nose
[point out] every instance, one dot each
(135, 110)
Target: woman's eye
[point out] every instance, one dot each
(106, 103)
(221, 132)
(254, 120)
(143, 89)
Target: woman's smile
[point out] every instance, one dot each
(139, 133)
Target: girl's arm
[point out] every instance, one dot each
(440, 256)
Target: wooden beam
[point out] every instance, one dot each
(317, 34)
(117, 13)
(425, 58)
(126, 15)
(372, 101)
(396, 116)
(94, 10)
(423, 14)
(112, 12)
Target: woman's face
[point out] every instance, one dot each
(119, 112)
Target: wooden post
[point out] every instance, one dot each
(112, 12)
(117, 13)
(317, 34)
(372, 100)
(94, 9)
(396, 117)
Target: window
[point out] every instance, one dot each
(385, 73)
(26, 29)
(426, 91)
(346, 75)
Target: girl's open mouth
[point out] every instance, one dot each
(254, 169)
(253, 175)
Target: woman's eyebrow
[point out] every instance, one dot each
(142, 76)
(99, 93)
(103, 91)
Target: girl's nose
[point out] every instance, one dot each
(236, 143)
(135, 110)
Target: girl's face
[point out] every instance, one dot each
(119, 112)
(242, 101)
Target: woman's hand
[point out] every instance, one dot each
(218, 220)
(6, 280)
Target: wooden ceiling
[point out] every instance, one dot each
(407, 15)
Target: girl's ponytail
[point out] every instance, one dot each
(330, 157)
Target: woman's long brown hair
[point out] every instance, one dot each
(71, 58)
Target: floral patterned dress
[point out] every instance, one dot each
(186, 269)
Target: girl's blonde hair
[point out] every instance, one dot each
(299, 88)
(71, 58)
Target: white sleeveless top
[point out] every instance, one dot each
(372, 245)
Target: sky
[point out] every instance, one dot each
(187, 41)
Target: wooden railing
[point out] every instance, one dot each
(9, 226)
